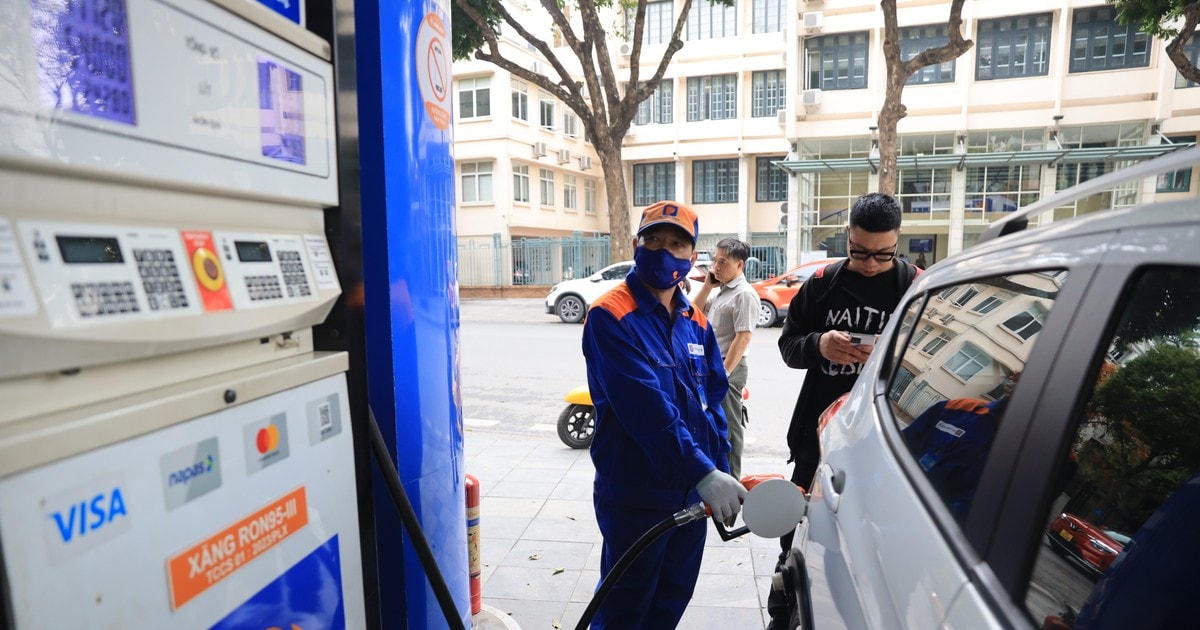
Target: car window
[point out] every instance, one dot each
(956, 370)
(1119, 548)
(616, 273)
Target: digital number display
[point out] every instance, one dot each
(252, 251)
(82, 51)
(89, 249)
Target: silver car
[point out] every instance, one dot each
(1037, 374)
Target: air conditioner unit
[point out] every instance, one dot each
(539, 149)
(947, 318)
(564, 156)
(539, 68)
(585, 162)
(811, 98)
(626, 49)
(781, 116)
(813, 21)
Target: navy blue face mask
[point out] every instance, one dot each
(658, 268)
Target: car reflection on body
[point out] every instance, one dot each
(775, 294)
(1093, 547)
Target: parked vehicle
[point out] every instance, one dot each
(942, 469)
(1093, 547)
(775, 294)
(577, 422)
(570, 299)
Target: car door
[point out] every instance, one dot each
(889, 528)
(1113, 443)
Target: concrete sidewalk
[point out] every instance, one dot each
(540, 545)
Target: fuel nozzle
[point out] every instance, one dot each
(772, 508)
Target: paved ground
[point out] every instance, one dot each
(541, 547)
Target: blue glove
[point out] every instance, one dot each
(723, 494)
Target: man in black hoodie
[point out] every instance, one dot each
(853, 297)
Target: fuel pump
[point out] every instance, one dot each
(173, 451)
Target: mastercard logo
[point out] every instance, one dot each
(267, 439)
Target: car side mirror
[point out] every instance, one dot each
(788, 281)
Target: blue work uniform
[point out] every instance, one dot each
(950, 441)
(657, 382)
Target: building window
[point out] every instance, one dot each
(521, 183)
(476, 181)
(967, 362)
(937, 343)
(768, 15)
(546, 188)
(921, 335)
(474, 97)
(1028, 322)
(966, 296)
(771, 183)
(1098, 42)
(520, 101)
(570, 193)
(989, 304)
(659, 22)
(999, 189)
(768, 92)
(1191, 50)
(712, 98)
(546, 115)
(658, 107)
(570, 125)
(708, 19)
(837, 62)
(1176, 181)
(914, 40)
(653, 182)
(1016, 46)
(589, 196)
(925, 191)
(714, 181)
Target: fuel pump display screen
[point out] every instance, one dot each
(250, 251)
(82, 51)
(89, 249)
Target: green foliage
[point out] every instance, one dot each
(1164, 307)
(1152, 16)
(466, 34)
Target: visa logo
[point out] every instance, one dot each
(90, 515)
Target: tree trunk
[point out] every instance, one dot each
(898, 72)
(619, 229)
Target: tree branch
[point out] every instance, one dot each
(1191, 16)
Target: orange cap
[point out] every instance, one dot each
(670, 213)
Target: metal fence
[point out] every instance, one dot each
(545, 261)
(536, 261)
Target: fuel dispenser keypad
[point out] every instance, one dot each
(292, 264)
(263, 288)
(160, 279)
(97, 299)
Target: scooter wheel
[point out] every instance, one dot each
(576, 424)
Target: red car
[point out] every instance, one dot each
(775, 294)
(1095, 548)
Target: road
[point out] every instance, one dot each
(517, 363)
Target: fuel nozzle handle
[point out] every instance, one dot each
(700, 510)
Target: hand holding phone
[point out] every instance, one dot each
(712, 279)
(863, 340)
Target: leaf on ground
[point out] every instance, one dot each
(558, 570)
(534, 556)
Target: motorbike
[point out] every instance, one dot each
(577, 422)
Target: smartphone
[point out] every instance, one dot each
(712, 278)
(863, 340)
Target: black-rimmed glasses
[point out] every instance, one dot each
(879, 256)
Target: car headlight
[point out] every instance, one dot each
(1101, 547)
(554, 289)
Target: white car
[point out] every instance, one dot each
(570, 299)
(1038, 373)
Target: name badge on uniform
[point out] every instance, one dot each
(695, 349)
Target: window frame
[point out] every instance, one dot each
(521, 183)
(653, 181)
(724, 185)
(475, 90)
(546, 109)
(520, 101)
(710, 20)
(914, 40)
(712, 97)
(477, 177)
(1103, 24)
(570, 192)
(547, 180)
(995, 33)
(770, 181)
(829, 51)
(659, 107)
(968, 359)
(768, 16)
(767, 97)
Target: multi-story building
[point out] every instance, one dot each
(766, 123)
